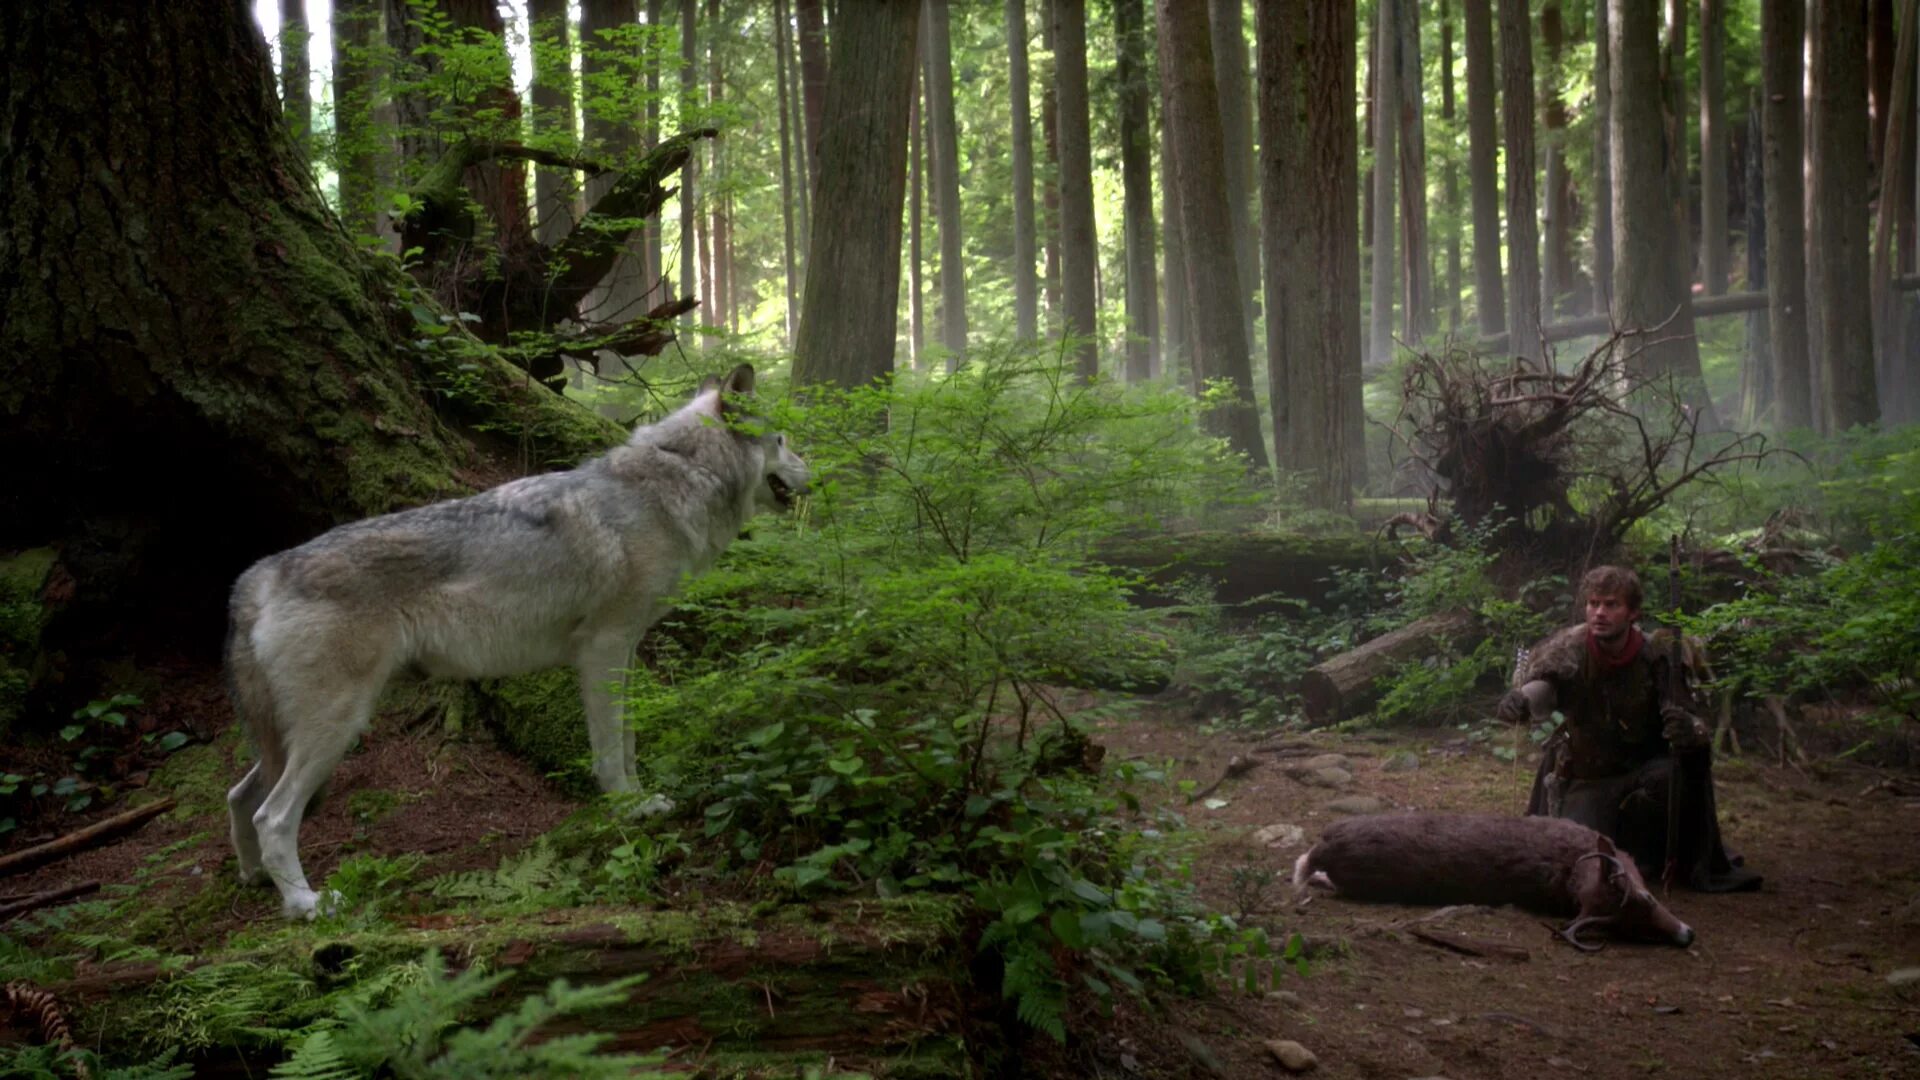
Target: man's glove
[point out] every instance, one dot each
(1682, 729)
(1512, 708)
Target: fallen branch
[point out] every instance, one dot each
(1237, 767)
(36, 901)
(1469, 946)
(93, 835)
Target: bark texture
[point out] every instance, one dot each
(1782, 35)
(1523, 221)
(946, 181)
(1843, 179)
(1026, 287)
(1483, 152)
(848, 314)
(1713, 146)
(1079, 250)
(1136, 169)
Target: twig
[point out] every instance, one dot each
(97, 833)
(1237, 766)
(1469, 946)
(49, 898)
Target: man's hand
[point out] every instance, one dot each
(1533, 702)
(1682, 729)
(1512, 708)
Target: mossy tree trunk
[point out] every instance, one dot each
(201, 365)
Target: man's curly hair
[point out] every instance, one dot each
(1612, 581)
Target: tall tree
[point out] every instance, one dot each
(1220, 344)
(1523, 223)
(786, 178)
(1450, 169)
(1843, 178)
(1079, 250)
(655, 233)
(813, 77)
(946, 181)
(605, 69)
(1602, 164)
(1386, 91)
(1713, 145)
(1650, 294)
(356, 25)
(803, 169)
(689, 104)
(1673, 79)
(1889, 335)
(720, 305)
(1176, 318)
(1756, 377)
(1308, 197)
(1232, 85)
(1410, 111)
(1881, 65)
(1782, 39)
(1026, 287)
(296, 91)
(1050, 181)
(1483, 155)
(553, 119)
(916, 186)
(849, 314)
(1136, 174)
(1557, 264)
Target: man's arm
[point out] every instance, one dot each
(1534, 700)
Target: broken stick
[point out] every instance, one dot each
(93, 835)
(39, 900)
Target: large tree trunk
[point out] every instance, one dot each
(1523, 223)
(1713, 146)
(1602, 164)
(1483, 153)
(849, 313)
(946, 182)
(1650, 295)
(1386, 79)
(1026, 287)
(1843, 178)
(1308, 199)
(1079, 251)
(1227, 27)
(1136, 173)
(356, 25)
(1782, 35)
(1557, 264)
(1450, 175)
(813, 78)
(610, 137)
(1177, 318)
(1220, 343)
(1673, 61)
(1756, 384)
(1410, 112)
(554, 189)
(189, 350)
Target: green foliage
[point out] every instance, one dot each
(417, 1032)
(50, 1063)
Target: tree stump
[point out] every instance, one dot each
(1343, 685)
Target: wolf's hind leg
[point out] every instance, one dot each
(313, 750)
(243, 801)
(600, 664)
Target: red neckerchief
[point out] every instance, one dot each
(1635, 639)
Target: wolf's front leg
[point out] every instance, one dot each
(602, 665)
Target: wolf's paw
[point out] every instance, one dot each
(310, 905)
(253, 875)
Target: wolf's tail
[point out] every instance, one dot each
(248, 687)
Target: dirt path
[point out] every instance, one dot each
(1790, 982)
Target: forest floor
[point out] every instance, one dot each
(1791, 982)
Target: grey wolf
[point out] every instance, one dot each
(566, 568)
(1548, 865)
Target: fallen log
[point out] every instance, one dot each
(92, 836)
(1346, 684)
(45, 899)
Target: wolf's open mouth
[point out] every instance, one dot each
(782, 494)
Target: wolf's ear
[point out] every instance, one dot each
(737, 384)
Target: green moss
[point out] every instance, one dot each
(371, 804)
(539, 717)
(23, 577)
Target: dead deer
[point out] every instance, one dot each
(1543, 864)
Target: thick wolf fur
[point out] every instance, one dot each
(567, 568)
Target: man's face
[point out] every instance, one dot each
(1608, 617)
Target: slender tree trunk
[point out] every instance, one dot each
(1602, 164)
(720, 307)
(787, 185)
(849, 315)
(1557, 264)
(1231, 81)
(1673, 77)
(916, 185)
(296, 74)
(1411, 113)
(689, 102)
(1026, 288)
(1523, 222)
(1489, 288)
(1650, 295)
(1220, 346)
(1308, 194)
(1843, 178)
(1756, 385)
(1450, 175)
(1713, 146)
(1386, 90)
(946, 182)
(610, 136)
(813, 77)
(655, 233)
(1366, 135)
(802, 170)
(1050, 183)
(1079, 252)
(1782, 37)
(1881, 47)
(1177, 317)
(356, 142)
(1888, 321)
(553, 118)
(1136, 169)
